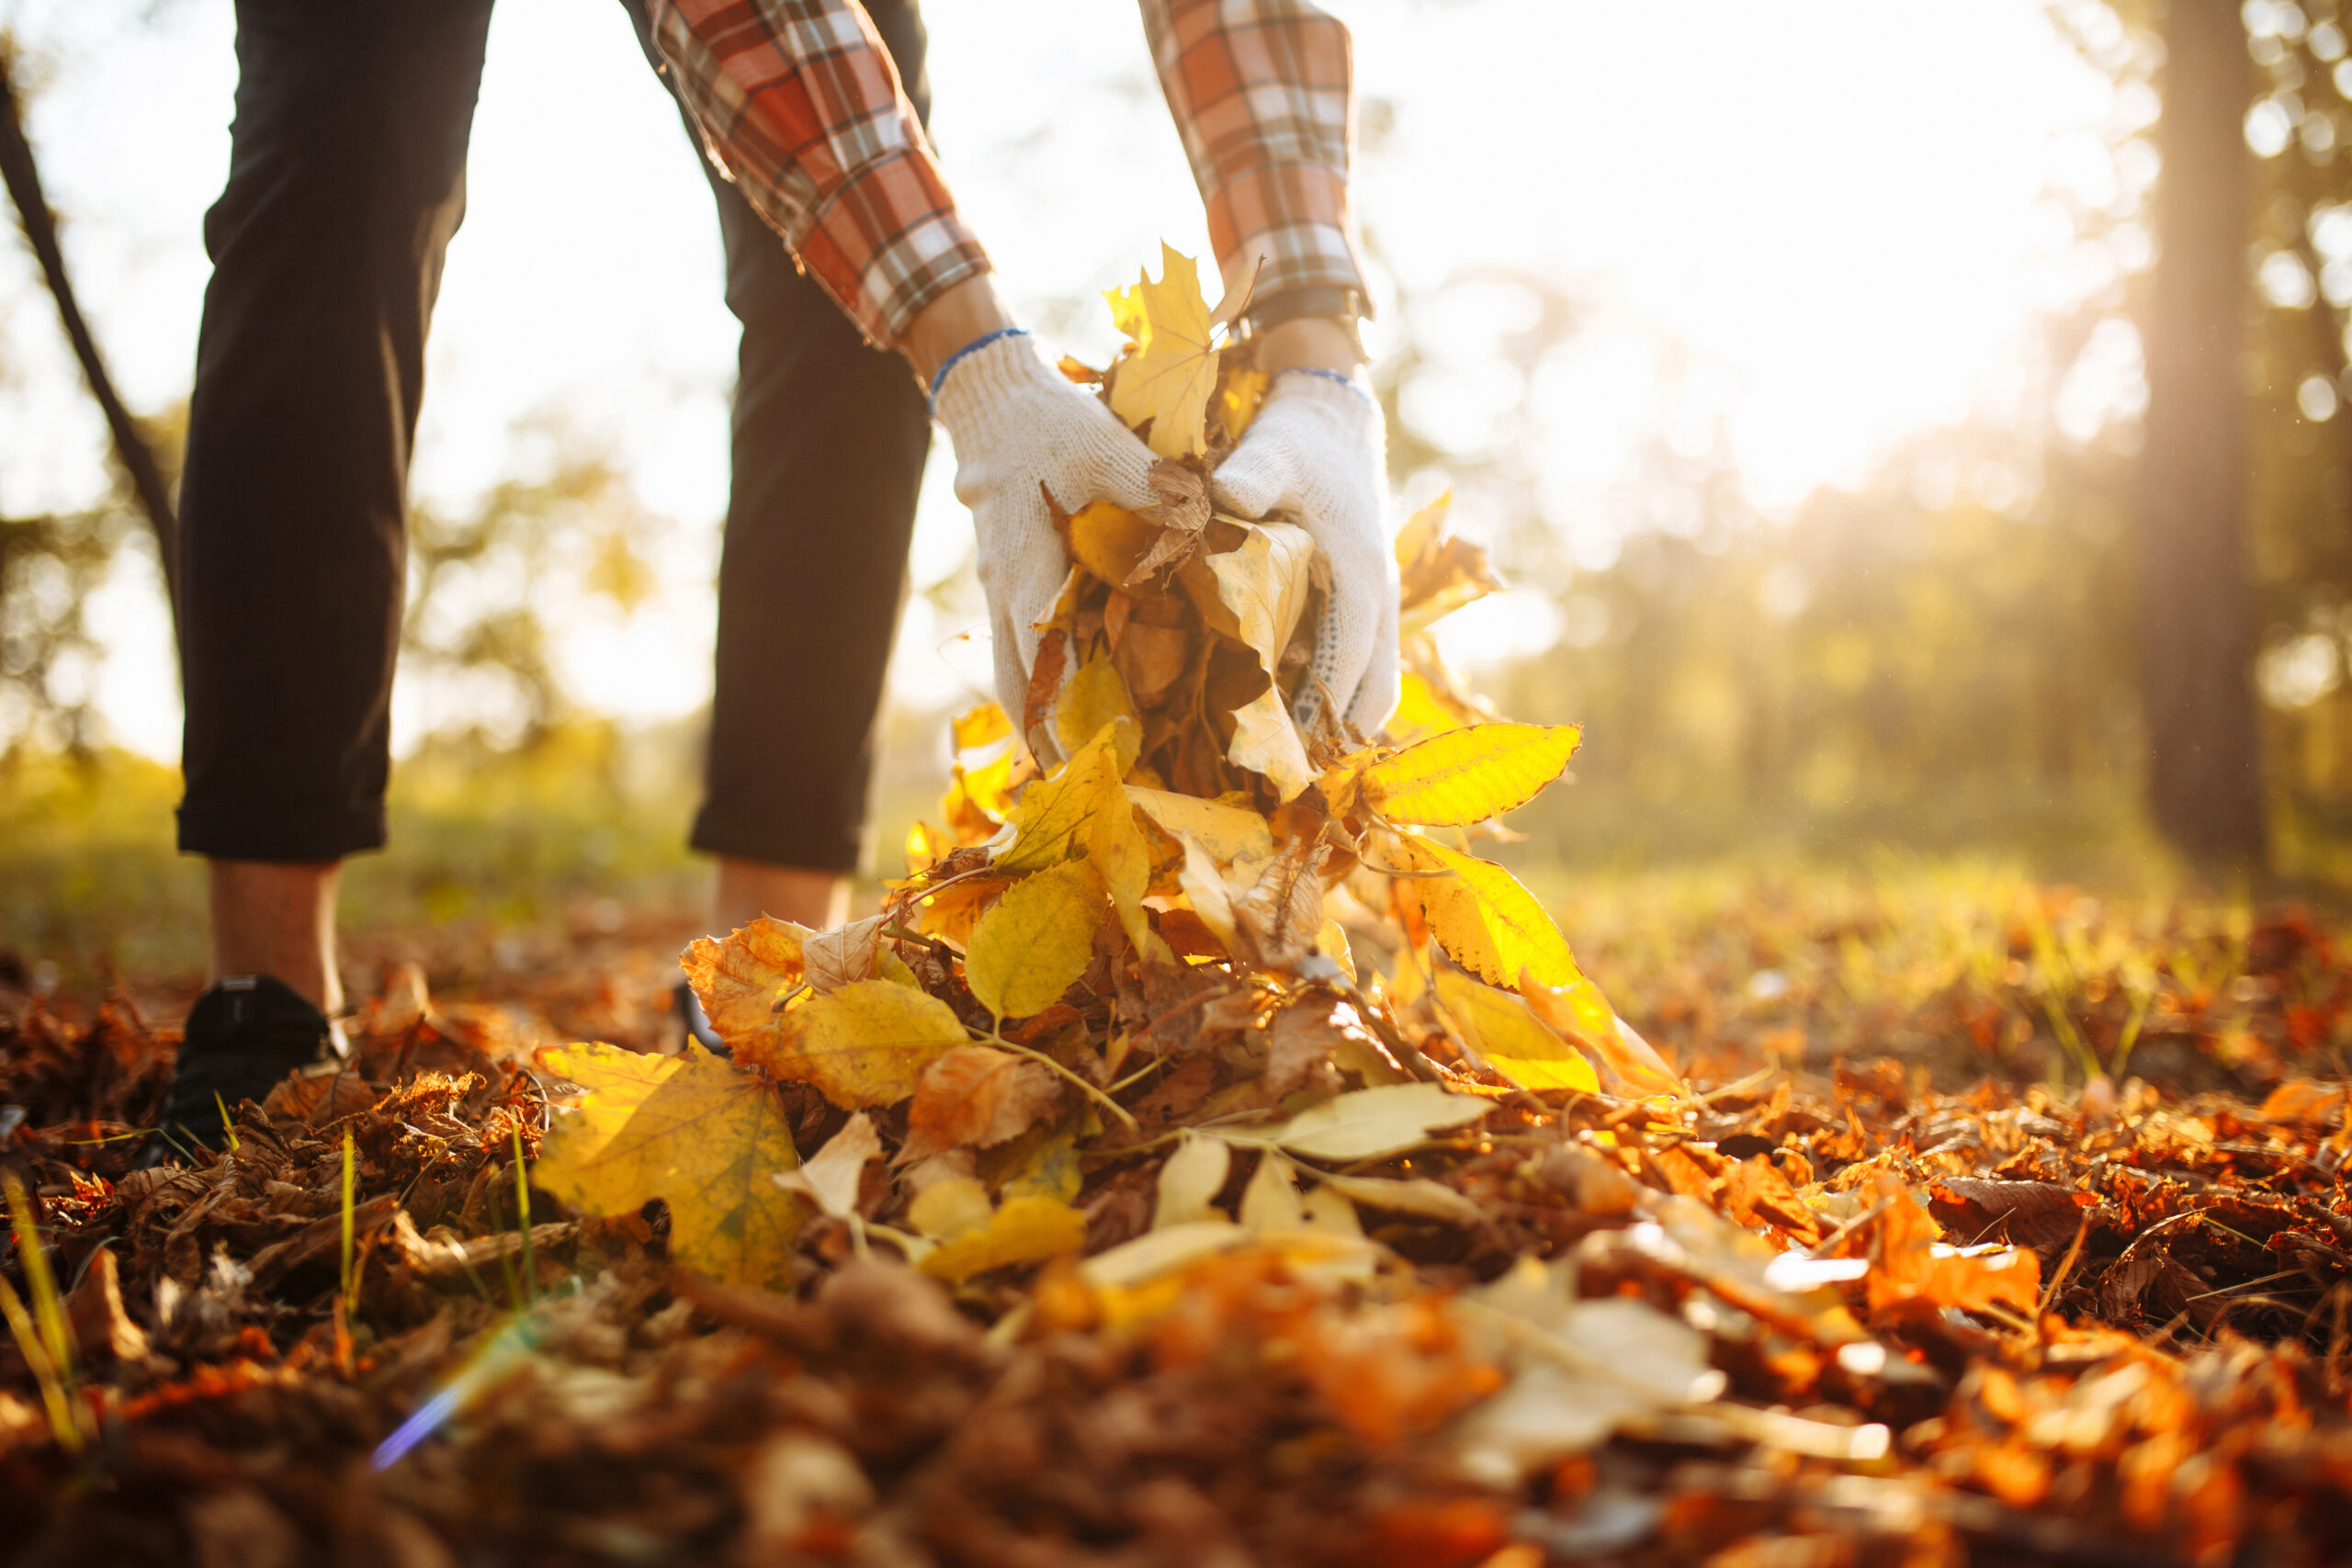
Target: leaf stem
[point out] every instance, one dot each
(1115, 1108)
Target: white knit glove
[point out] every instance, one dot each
(1315, 454)
(1016, 421)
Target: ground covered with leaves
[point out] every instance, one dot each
(1207, 1154)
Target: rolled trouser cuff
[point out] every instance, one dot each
(262, 831)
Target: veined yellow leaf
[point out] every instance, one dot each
(1026, 1230)
(1169, 378)
(1037, 940)
(1096, 696)
(1514, 1042)
(1230, 835)
(1262, 586)
(707, 1139)
(1469, 775)
(1491, 925)
(867, 1044)
(1419, 713)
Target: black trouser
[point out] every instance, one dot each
(346, 180)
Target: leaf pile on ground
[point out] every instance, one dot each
(1206, 1155)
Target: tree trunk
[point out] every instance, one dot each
(22, 178)
(2196, 607)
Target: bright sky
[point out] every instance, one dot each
(1833, 202)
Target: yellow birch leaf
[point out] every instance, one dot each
(1055, 817)
(1579, 1012)
(1470, 775)
(705, 1138)
(1026, 1230)
(1419, 713)
(957, 1205)
(1169, 378)
(1096, 695)
(1110, 541)
(1491, 925)
(1372, 1123)
(1264, 586)
(1037, 940)
(741, 978)
(1514, 1042)
(1266, 741)
(866, 1045)
(982, 726)
(1230, 835)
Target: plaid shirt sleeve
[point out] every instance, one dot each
(800, 105)
(1263, 95)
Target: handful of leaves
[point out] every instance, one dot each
(1202, 931)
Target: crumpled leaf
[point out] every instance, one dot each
(1230, 835)
(1505, 1031)
(1037, 940)
(1370, 1123)
(1282, 914)
(1183, 513)
(834, 958)
(1168, 379)
(1470, 775)
(975, 1096)
(1486, 921)
(1914, 1274)
(691, 1129)
(1261, 587)
(1026, 1230)
(741, 978)
(866, 1045)
(830, 1178)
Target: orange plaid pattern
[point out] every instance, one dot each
(799, 105)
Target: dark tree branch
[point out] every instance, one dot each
(40, 226)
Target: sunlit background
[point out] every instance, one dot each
(1781, 349)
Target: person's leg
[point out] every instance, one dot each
(346, 180)
(829, 438)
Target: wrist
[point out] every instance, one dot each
(958, 318)
(1310, 343)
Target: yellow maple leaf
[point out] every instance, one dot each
(705, 1138)
(1505, 1030)
(1037, 940)
(866, 1043)
(1491, 925)
(1026, 1230)
(1469, 775)
(1169, 378)
(741, 977)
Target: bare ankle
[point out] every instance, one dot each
(746, 889)
(278, 919)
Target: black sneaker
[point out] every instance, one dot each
(244, 1035)
(696, 1023)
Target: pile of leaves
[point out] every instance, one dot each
(1205, 1156)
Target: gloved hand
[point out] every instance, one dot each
(1016, 421)
(1316, 454)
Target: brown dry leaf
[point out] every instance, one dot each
(831, 1176)
(1912, 1273)
(1184, 512)
(2043, 1215)
(834, 958)
(741, 979)
(1280, 917)
(977, 1097)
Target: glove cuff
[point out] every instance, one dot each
(986, 376)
